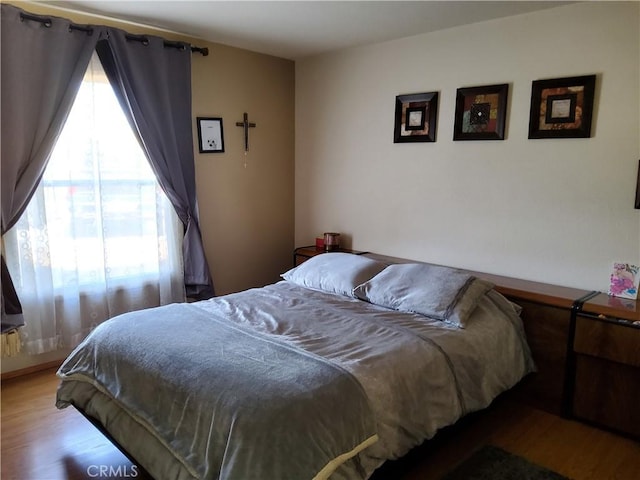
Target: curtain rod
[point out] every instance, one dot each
(179, 45)
(47, 22)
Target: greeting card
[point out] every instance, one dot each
(624, 280)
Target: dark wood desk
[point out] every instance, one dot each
(606, 379)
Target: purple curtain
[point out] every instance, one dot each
(153, 84)
(43, 62)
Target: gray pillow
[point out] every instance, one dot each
(334, 272)
(442, 293)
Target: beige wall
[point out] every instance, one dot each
(246, 214)
(555, 210)
(247, 211)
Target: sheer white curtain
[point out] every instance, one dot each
(99, 237)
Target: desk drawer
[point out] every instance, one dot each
(607, 393)
(615, 342)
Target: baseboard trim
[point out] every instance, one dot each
(32, 369)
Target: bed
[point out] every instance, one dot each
(344, 364)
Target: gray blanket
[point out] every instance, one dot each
(418, 374)
(225, 400)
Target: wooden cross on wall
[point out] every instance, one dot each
(246, 125)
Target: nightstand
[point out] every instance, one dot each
(606, 373)
(302, 254)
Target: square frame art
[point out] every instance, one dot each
(562, 107)
(416, 117)
(481, 112)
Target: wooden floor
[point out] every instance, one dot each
(40, 442)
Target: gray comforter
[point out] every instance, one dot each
(285, 382)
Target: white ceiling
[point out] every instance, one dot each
(297, 29)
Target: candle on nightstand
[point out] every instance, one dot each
(331, 241)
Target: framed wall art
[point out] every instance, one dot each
(562, 107)
(637, 204)
(481, 112)
(210, 135)
(416, 117)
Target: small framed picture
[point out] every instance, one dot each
(416, 117)
(481, 112)
(210, 135)
(562, 107)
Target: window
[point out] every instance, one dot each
(99, 237)
(101, 197)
